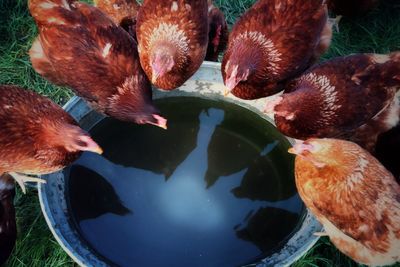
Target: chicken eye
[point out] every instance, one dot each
(81, 143)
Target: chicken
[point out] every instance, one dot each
(351, 7)
(37, 136)
(353, 196)
(8, 227)
(342, 96)
(274, 41)
(122, 12)
(217, 32)
(172, 39)
(80, 47)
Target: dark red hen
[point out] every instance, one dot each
(343, 97)
(172, 39)
(79, 46)
(36, 135)
(274, 41)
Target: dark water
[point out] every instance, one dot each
(215, 189)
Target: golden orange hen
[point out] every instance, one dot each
(353, 196)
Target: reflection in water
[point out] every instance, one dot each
(190, 194)
(250, 144)
(259, 185)
(264, 230)
(170, 146)
(92, 196)
(186, 220)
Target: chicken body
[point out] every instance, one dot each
(217, 32)
(354, 197)
(274, 41)
(122, 12)
(347, 97)
(351, 7)
(36, 135)
(8, 227)
(79, 46)
(172, 38)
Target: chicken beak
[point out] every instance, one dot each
(292, 151)
(161, 122)
(300, 147)
(92, 146)
(98, 150)
(297, 148)
(95, 148)
(231, 83)
(154, 76)
(226, 92)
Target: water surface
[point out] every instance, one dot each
(215, 189)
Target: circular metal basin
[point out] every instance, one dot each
(207, 84)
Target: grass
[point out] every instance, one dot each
(378, 31)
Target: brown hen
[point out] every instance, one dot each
(122, 12)
(8, 227)
(274, 41)
(79, 46)
(172, 38)
(36, 135)
(217, 32)
(353, 196)
(347, 97)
